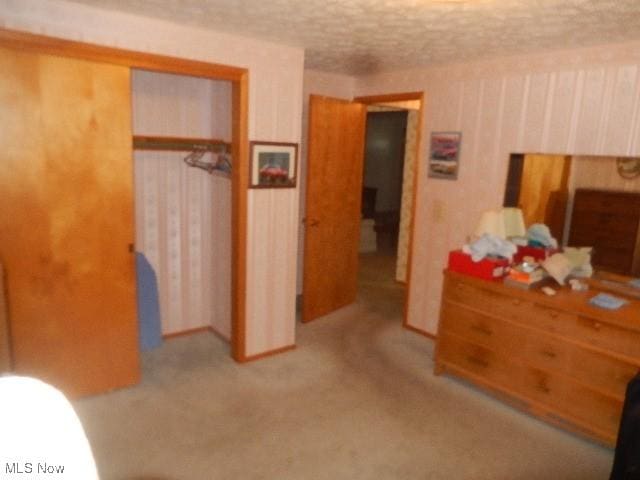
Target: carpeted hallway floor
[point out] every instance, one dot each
(355, 400)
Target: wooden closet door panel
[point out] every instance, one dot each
(67, 220)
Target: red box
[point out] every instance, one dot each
(538, 253)
(487, 268)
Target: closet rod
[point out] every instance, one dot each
(179, 144)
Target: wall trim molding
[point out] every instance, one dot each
(268, 353)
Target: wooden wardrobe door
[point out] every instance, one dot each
(66, 220)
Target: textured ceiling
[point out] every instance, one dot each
(366, 36)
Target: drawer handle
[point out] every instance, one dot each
(554, 314)
(596, 326)
(477, 361)
(516, 302)
(548, 353)
(543, 387)
(482, 329)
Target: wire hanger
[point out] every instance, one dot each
(222, 163)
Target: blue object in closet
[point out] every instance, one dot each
(150, 334)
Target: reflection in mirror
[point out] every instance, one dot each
(584, 201)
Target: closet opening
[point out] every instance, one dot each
(86, 295)
(182, 185)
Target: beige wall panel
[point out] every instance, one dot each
(219, 256)
(514, 88)
(619, 126)
(558, 124)
(536, 104)
(588, 127)
(271, 220)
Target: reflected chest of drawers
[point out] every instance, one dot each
(557, 357)
(608, 221)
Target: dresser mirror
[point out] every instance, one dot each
(585, 201)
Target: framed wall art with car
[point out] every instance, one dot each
(273, 165)
(444, 154)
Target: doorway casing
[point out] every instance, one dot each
(402, 97)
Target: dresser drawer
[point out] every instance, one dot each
(538, 349)
(517, 310)
(475, 359)
(572, 400)
(598, 371)
(547, 319)
(592, 202)
(603, 238)
(558, 395)
(485, 301)
(583, 330)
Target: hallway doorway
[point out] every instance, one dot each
(391, 151)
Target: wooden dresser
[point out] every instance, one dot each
(556, 357)
(608, 221)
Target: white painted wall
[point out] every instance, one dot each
(584, 101)
(275, 109)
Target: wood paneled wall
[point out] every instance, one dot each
(273, 222)
(275, 109)
(183, 214)
(584, 101)
(600, 173)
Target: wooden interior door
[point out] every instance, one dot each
(5, 346)
(334, 195)
(66, 221)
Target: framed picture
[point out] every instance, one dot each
(444, 154)
(273, 165)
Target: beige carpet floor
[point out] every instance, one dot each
(356, 400)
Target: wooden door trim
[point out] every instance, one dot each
(239, 77)
(401, 97)
(389, 97)
(239, 207)
(130, 58)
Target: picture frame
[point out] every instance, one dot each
(444, 155)
(273, 165)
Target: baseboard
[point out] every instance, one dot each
(269, 353)
(420, 332)
(219, 335)
(182, 333)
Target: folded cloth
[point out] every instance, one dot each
(539, 234)
(490, 245)
(604, 300)
(558, 266)
(580, 260)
